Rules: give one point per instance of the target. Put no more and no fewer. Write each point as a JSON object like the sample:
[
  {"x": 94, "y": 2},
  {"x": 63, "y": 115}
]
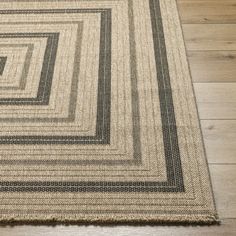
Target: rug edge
[
  {"x": 197, "y": 109},
  {"x": 207, "y": 219}
]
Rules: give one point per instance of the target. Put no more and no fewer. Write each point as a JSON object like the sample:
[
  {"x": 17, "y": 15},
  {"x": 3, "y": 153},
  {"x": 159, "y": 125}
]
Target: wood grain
[
  {"x": 224, "y": 186},
  {"x": 210, "y": 36},
  {"x": 216, "y": 100},
  {"x": 213, "y": 66},
  {"x": 207, "y": 11},
  {"x": 220, "y": 139}
]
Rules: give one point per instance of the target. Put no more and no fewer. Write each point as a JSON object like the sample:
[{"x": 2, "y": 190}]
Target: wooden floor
[{"x": 210, "y": 34}]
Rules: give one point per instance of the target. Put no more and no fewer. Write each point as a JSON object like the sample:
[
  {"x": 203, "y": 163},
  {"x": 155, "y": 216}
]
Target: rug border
[{"x": 210, "y": 219}]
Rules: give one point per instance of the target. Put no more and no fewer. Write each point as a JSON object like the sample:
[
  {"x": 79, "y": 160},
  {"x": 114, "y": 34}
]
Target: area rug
[{"x": 98, "y": 116}]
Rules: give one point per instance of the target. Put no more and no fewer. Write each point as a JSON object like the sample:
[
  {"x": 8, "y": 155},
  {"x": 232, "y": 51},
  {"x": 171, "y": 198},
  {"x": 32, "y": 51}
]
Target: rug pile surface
[{"x": 98, "y": 116}]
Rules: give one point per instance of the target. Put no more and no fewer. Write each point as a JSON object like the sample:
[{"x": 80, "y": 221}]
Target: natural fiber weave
[{"x": 98, "y": 115}]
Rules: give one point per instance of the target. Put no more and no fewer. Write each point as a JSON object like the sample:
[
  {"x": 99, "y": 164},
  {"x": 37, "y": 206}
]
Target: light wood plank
[
  {"x": 228, "y": 227},
  {"x": 213, "y": 66},
  {"x": 224, "y": 186},
  {"x": 210, "y": 36},
  {"x": 207, "y": 11},
  {"x": 220, "y": 139},
  {"x": 216, "y": 100},
  {"x": 208, "y": 110}
]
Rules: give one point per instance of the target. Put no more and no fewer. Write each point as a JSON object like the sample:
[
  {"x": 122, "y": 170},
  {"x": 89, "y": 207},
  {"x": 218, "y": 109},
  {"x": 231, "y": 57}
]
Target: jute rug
[{"x": 98, "y": 115}]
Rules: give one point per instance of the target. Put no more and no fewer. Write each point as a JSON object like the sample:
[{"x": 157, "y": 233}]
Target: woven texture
[{"x": 98, "y": 115}]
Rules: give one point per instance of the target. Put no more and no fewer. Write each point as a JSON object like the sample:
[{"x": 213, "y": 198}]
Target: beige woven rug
[{"x": 98, "y": 117}]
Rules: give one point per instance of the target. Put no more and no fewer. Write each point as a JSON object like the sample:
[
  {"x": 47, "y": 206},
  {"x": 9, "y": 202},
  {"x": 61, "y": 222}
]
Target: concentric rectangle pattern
[{"x": 98, "y": 116}]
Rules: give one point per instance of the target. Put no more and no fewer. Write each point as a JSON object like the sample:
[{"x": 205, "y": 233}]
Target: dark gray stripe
[
  {"x": 169, "y": 129},
  {"x": 53, "y": 186},
  {"x": 104, "y": 100},
  {"x": 134, "y": 88},
  {"x": 3, "y": 61}
]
